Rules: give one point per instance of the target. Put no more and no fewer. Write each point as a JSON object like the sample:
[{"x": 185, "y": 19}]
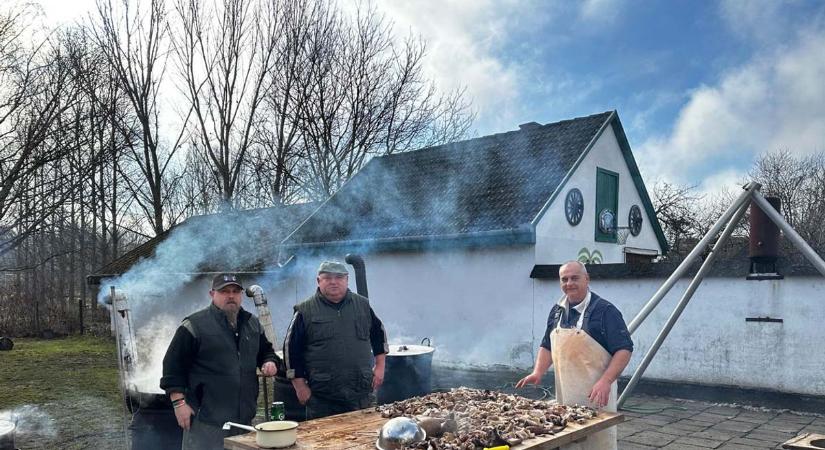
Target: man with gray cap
[
  {"x": 330, "y": 346},
  {"x": 209, "y": 367}
]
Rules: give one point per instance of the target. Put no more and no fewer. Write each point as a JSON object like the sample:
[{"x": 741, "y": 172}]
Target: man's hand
[
  {"x": 302, "y": 390},
  {"x": 533, "y": 378},
  {"x": 269, "y": 369},
  {"x": 184, "y": 415},
  {"x": 377, "y": 377},
  {"x": 600, "y": 394}
]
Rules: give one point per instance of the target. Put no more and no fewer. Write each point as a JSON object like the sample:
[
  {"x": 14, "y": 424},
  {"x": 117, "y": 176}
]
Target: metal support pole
[
  {"x": 680, "y": 307},
  {"x": 790, "y": 233},
  {"x": 683, "y": 267}
]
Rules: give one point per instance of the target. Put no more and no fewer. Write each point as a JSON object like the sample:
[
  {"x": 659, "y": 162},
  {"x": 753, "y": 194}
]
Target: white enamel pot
[{"x": 275, "y": 434}]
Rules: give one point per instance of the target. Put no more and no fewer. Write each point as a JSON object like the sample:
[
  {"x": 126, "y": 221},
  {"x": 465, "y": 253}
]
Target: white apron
[{"x": 579, "y": 361}]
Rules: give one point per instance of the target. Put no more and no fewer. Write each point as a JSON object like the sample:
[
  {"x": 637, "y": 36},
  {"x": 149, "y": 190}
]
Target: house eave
[{"x": 523, "y": 235}]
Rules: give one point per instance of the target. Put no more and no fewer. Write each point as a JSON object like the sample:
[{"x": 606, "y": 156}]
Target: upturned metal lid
[{"x": 399, "y": 432}]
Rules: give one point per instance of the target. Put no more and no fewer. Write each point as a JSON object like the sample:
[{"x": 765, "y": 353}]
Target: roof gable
[{"x": 488, "y": 185}]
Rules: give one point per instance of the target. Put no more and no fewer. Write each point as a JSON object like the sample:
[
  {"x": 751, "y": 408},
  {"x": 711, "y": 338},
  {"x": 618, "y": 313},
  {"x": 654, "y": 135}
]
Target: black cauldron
[{"x": 407, "y": 372}]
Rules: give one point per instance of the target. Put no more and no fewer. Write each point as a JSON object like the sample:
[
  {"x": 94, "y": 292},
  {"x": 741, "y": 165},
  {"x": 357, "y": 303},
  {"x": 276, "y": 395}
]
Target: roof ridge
[{"x": 542, "y": 127}]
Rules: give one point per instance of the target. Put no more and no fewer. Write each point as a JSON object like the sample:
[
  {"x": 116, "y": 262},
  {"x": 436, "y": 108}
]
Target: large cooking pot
[
  {"x": 275, "y": 434},
  {"x": 7, "y": 435},
  {"x": 407, "y": 372}
]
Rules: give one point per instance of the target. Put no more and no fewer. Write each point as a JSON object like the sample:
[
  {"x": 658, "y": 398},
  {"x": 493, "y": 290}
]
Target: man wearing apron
[{"x": 589, "y": 346}]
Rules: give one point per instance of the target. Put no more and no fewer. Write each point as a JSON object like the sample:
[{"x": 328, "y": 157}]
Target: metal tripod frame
[{"x": 729, "y": 220}]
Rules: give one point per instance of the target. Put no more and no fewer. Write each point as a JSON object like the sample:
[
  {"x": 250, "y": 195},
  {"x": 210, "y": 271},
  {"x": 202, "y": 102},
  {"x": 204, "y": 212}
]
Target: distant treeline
[{"x": 114, "y": 129}]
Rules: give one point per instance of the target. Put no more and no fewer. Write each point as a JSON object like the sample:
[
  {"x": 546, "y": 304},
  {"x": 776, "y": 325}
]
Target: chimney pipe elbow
[{"x": 254, "y": 290}]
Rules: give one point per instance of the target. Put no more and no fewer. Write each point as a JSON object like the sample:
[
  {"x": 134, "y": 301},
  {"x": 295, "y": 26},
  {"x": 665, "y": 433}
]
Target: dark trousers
[
  {"x": 321, "y": 407},
  {"x": 203, "y": 436}
]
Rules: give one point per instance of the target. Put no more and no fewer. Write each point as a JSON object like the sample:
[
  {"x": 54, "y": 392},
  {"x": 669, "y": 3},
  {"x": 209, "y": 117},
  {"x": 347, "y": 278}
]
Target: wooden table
[
  {"x": 806, "y": 441},
  {"x": 359, "y": 430}
]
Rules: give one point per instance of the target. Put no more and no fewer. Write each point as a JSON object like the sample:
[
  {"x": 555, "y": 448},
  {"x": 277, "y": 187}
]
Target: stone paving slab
[{"x": 674, "y": 424}]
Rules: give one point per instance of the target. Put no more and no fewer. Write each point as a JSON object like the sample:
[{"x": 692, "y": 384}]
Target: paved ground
[{"x": 672, "y": 424}]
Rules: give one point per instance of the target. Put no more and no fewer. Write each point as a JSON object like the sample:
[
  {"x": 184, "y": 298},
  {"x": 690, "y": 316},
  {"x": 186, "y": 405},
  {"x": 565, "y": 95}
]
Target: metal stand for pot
[{"x": 729, "y": 220}]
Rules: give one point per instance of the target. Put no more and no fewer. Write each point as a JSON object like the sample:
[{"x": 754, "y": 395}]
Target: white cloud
[
  {"x": 722, "y": 183},
  {"x": 462, "y": 37},
  {"x": 775, "y": 101},
  {"x": 757, "y": 20}
]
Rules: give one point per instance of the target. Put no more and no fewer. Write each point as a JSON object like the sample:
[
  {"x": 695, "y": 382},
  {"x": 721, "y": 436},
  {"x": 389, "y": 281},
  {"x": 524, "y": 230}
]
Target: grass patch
[{"x": 38, "y": 372}]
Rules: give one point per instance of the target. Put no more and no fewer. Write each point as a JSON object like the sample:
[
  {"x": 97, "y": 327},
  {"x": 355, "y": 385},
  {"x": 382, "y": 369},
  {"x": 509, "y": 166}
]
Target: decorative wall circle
[
  {"x": 574, "y": 206},
  {"x": 635, "y": 220}
]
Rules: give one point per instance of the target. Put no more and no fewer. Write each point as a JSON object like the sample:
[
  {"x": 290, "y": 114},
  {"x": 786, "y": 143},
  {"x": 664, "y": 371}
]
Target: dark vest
[
  {"x": 223, "y": 385},
  {"x": 338, "y": 354}
]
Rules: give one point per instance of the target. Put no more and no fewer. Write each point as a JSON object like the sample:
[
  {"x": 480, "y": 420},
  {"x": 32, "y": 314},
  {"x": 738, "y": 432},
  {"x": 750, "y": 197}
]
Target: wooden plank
[
  {"x": 805, "y": 441},
  {"x": 358, "y": 430}
]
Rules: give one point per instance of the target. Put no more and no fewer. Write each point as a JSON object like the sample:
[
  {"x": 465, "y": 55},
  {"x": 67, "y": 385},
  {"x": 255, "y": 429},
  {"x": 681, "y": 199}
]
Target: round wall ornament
[
  {"x": 574, "y": 206},
  {"x": 635, "y": 220}
]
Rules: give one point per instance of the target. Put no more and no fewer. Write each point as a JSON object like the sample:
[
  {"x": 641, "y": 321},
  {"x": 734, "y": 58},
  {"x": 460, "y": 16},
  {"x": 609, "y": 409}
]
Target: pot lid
[
  {"x": 6, "y": 427},
  {"x": 409, "y": 350}
]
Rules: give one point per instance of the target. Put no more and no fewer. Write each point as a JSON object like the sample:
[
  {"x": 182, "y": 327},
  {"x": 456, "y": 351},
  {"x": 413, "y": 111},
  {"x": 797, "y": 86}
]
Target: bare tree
[
  {"x": 799, "y": 183},
  {"x": 367, "y": 96},
  {"x": 677, "y": 208},
  {"x": 225, "y": 52},
  {"x": 133, "y": 39},
  {"x": 35, "y": 91}
]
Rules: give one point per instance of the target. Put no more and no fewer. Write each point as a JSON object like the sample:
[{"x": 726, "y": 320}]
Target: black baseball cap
[{"x": 222, "y": 280}]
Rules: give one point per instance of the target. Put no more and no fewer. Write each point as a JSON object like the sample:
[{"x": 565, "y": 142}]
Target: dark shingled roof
[
  {"x": 483, "y": 186},
  {"x": 257, "y": 232}
]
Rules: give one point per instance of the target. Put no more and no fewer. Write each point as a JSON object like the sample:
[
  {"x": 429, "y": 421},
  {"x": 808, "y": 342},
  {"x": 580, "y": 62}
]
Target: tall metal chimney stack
[{"x": 763, "y": 248}]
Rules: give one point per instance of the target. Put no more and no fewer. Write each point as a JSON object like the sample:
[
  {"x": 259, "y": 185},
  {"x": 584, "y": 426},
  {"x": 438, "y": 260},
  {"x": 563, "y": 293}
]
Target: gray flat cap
[{"x": 332, "y": 267}]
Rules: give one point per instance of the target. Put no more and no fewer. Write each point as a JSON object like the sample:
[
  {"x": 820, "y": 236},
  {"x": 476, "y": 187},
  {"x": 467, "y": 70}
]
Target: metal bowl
[{"x": 399, "y": 432}]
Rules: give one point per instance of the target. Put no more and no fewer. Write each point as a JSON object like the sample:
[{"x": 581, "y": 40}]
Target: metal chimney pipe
[
  {"x": 357, "y": 263},
  {"x": 256, "y": 293}
]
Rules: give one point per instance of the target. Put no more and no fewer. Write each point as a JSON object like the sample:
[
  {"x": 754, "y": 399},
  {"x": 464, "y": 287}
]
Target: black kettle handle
[{"x": 428, "y": 341}]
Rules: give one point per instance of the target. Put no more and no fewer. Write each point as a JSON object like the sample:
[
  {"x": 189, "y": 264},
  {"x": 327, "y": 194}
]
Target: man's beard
[{"x": 231, "y": 317}]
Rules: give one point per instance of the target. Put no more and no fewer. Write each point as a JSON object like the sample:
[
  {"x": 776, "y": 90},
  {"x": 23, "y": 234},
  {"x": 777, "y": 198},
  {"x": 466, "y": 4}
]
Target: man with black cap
[
  {"x": 330, "y": 346},
  {"x": 209, "y": 367}
]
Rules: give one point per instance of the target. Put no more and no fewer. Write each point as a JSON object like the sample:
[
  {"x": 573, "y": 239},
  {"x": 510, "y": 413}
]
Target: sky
[{"x": 702, "y": 87}]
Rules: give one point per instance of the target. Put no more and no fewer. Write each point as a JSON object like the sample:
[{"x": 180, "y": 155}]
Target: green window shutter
[{"x": 607, "y": 200}]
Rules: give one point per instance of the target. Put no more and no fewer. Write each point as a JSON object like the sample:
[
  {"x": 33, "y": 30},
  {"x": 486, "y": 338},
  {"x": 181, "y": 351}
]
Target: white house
[{"x": 451, "y": 234}]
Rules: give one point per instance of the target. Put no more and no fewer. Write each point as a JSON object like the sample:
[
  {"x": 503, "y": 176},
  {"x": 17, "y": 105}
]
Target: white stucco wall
[
  {"x": 480, "y": 307},
  {"x": 558, "y": 241},
  {"x": 712, "y": 344},
  {"x": 475, "y": 305}
]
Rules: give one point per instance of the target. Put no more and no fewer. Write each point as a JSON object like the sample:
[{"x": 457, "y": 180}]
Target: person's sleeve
[
  {"x": 618, "y": 337},
  {"x": 294, "y": 344},
  {"x": 265, "y": 351},
  {"x": 378, "y": 336},
  {"x": 545, "y": 340},
  {"x": 178, "y": 360}
]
